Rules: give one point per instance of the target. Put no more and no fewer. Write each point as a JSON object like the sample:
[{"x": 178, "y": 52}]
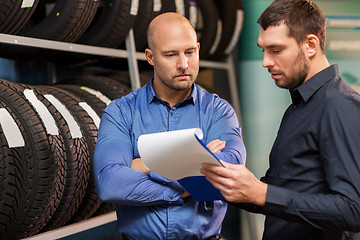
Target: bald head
[{"x": 166, "y": 22}]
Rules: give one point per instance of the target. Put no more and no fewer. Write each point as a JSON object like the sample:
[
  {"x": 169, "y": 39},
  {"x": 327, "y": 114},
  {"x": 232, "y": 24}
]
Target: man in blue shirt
[
  {"x": 148, "y": 205},
  {"x": 312, "y": 188}
]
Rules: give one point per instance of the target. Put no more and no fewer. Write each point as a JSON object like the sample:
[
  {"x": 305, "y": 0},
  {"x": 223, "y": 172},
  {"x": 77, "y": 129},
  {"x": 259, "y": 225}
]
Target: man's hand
[
  {"x": 185, "y": 194},
  {"x": 139, "y": 165},
  {"x": 216, "y": 145},
  {"x": 236, "y": 183}
]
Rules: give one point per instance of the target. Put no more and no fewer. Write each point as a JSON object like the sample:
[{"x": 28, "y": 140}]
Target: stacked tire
[
  {"x": 106, "y": 23},
  {"x": 48, "y": 136}
]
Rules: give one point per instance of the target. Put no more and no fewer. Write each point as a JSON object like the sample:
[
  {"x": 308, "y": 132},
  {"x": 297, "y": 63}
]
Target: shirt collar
[
  {"x": 151, "y": 94},
  {"x": 307, "y": 89}
]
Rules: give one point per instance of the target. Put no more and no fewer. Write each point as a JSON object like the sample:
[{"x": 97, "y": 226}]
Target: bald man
[{"x": 148, "y": 205}]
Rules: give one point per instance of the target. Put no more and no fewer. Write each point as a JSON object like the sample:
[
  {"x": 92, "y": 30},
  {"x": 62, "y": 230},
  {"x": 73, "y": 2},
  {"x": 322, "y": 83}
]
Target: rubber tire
[
  {"x": 77, "y": 157},
  {"x": 15, "y": 181},
  {"x": 42, "y": 154},
  {"x": 12, "y": 17},
  {"x": 67, "y": 20},
  {"x": 230, "y": 33},
  {"x": 109, "y": 87},
  {"x": 91, "y": 201},
  {"x": 208, "y": 32},
  {"x": 142, "y": 21},
  {"x": 111, "y": 24}
]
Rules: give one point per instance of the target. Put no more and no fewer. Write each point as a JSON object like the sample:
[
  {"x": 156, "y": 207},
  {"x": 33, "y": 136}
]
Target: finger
[{"x": 216, "y": 145}]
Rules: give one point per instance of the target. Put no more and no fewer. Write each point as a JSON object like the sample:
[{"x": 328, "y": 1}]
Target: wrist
[{"x": 260, "y": 194}]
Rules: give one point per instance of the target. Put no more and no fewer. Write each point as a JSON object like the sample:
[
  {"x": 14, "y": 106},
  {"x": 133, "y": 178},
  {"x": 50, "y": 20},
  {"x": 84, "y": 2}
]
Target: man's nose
[
  {"x": 182, "y": 62},
  {"x": 267, "y": 61}
]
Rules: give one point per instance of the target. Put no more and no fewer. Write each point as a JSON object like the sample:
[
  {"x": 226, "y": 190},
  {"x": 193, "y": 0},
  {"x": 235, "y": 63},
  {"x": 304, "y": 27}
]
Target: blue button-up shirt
[{"x": 151, "y": 207}]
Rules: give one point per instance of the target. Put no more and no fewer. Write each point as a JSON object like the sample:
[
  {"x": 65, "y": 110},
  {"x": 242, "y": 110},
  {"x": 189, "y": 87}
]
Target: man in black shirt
[{"x": 312, "y": 187}]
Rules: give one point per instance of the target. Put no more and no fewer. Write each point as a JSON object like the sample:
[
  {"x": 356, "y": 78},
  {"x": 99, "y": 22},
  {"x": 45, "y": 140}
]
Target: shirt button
[
  {"x": 150, "y": 199},
  {"x": 170, "y": 234},
  {"x": 170, "y": 207},
  {"x": 171, "y": 114},
  {"x": 171, "y": 198}
]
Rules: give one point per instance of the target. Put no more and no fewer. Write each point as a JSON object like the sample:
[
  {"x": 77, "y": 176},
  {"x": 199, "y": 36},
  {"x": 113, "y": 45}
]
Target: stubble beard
[{"x": 298, "y": 74}]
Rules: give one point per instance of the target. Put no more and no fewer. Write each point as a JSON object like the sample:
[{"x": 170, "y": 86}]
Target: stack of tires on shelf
[
  {"x": 48, "y": 133},
  {"x": 48, "y": 136},
  {"x": 106, "y": 23}
]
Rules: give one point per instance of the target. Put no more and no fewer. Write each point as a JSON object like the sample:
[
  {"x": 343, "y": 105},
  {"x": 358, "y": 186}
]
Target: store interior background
[{"x": 262, "y": 104}]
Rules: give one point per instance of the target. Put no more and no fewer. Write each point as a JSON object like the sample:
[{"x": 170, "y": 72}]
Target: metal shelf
[
  {"x": 76, "y": 227},
  {"x": 130, "y": 54}
]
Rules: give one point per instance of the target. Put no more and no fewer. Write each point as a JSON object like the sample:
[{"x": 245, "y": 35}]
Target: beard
[{"x": 296, "y": 75}]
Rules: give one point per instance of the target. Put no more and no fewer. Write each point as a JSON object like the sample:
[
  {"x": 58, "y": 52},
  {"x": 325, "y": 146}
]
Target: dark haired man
[{"x": 312, "y": 187}]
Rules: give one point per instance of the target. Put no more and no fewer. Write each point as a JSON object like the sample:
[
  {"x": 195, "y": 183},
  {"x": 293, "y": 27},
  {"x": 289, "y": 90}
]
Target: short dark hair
[{"x": 302, "y": 17}]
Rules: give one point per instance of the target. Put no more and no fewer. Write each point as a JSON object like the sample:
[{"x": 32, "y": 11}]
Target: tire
[
  {"x": 109, "y": 28},
  {"x": 41, "y": 161},
  {"x": 142, "y": 21},
  {"x": 77, "y": 154},
  {"x": 104, "y": 208},
  {"x": 124, "y": 77},
  {"x": 88, "y": 95},
  {"x": 231, "y": 15},
  {"x": 14, "y": 15},
  {"x": 67, "y": 20},
  {"x": 111, "y": 25},
  {"x": 15, "y": 179},
  {"x": 108, "y": 87},
  {"x": 208, "y": 27},
  {"x": 91, "y": 201}
]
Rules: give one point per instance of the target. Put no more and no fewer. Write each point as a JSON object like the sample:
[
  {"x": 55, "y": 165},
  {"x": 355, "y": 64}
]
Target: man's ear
[
  {"x": 312, "y": 45},
  {"x": 149, "y": 56}
]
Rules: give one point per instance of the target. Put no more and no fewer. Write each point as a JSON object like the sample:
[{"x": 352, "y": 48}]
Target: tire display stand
[{"x": 132, "y": 58}]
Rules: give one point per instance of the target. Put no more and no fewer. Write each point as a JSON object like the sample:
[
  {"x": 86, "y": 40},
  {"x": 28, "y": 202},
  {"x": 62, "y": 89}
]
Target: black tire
[
  {"x": 15, "y": 179},
  {"x": 124, "y": 77},
  {"x": 104, "y": 208},
  {"x": 111, "y": 25},
  {"x": 142, "y": 21},
  {"x": 14, "y": 15},
  {"x": 77, "y": 157},
  {"x": 231, "y": 18},
  {"x": 91, "y": 201},
  {"x": 109, "y": 87},
  {"x": 208, "y": 27},
  {"x": 43, "y": 163},
  {"x": 67, "y": 20},
  {"x": 91, "y": 96},
  {"x": 109, "y": 28}
]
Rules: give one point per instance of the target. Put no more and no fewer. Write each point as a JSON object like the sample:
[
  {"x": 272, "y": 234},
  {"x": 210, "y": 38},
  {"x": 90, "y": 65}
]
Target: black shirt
[{"x": 314, "y": 173}]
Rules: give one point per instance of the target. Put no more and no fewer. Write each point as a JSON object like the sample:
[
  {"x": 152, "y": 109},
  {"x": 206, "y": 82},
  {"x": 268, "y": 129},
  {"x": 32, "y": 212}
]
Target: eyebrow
[
  {"x": 175, "y": 51},
  {"x": 270, "y": 46}
]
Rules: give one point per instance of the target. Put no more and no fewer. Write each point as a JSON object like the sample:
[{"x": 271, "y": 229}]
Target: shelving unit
[
  {"x": 130, "y": 54},
  {"x": 133, "y": 57}
]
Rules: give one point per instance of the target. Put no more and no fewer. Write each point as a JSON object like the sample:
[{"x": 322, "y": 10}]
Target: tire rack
[{"x": 132, "y": 56}]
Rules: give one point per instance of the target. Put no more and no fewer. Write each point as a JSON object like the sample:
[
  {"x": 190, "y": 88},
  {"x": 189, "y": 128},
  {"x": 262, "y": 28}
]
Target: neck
[
  {"x": 317, "y": 64},
  {"x": 169, "y": 95}
]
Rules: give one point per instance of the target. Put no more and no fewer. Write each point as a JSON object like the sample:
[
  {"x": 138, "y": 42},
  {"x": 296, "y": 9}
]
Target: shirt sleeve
[
  {"x": 339, "y": 139},
  {"x": 225, "y": 126},
  {"x": 115, "y": 181}
]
